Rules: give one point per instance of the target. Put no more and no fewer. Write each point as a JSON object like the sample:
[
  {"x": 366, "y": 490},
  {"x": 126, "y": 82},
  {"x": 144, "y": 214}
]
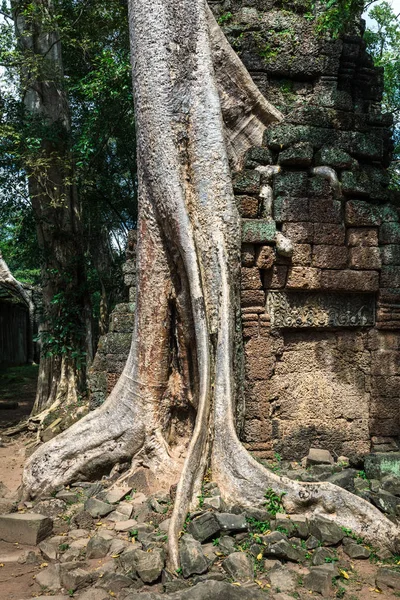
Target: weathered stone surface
[
  {"x": 230, "y": 522},
  {"x": 239, "y": 566},
  {"x": 380, "y": 464},
  {"x": 97, "y": 508},
  {"x": 98, "y": 547},
  {"x": 356, "y": 551},
  {"x": 319, "y": 580},
  {"x": 249, "y": 206},
  {"x": 389, "y": 233},
  {"x": 50, "y": 508},
  {"x": 386, "y": 502},
  {"x": 94, "y": 594},
  {"x": 207, "y": 590},
  {"x": 344, "y": 479},
  {"x": 26, "y": 528},
  {"x": 49, "y": 578},
  {"x": 299, "y": 155},
  {"x": 149, "y": 564},
  {"x": 304, "y": 278},
  {"x": 76, "y": 579},
  {"x": 365, "y": 258},
  {"x": 362, "y": 237},
  {"x": 320, "y": 555},
  {"x": 284, "y": 549},
  {"x": 265, "y": 257},
  {"x": 246, "y": 182},
  {"x": 283, "y": 579},
  {"x": 362, "y": 214},
  {"x": 192, "y": 557},
  {"x": 387, "y": 578},
  {"x": 350, "y": 281},
  {"x": 126, "y": 525},
  {"x": 299, "y": 233},
  {"x": 319, "y": 456},
  {"x": 258, "y": 231},
  {"x": 204, "y": 527},
  {"x": 330, "y": 257},
  {"x": 328, "y": 532}
]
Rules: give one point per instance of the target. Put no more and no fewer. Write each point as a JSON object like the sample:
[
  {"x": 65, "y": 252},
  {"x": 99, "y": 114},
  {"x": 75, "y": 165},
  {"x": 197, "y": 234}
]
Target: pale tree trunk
[
  {"x": 54, "y": 201},
  {"x": 173, "y": 409}
]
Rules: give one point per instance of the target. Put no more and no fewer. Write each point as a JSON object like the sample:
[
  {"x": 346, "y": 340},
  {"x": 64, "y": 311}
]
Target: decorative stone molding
[{"x": 319, "y": 310}]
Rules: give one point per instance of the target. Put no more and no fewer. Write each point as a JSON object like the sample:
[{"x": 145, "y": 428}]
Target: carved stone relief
[{"x": 316, "y": 309}]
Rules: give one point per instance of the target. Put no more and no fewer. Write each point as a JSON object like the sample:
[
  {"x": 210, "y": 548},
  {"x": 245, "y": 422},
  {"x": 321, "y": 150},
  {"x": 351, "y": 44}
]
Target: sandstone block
[
  {"x": 265, "y": 257},
  {"x": 319, "y": 580},
  {"x": 239, "y": 566},
  {"x": 299, "y": 155},
  {"x": 299, "y": 233},
  {"x": 258, "y": 231},
  {"x": 258, "y": 155},
  {"x": 361, "y": 213},
  {"x": 329, "y": 257},
  {"x": 319, "y": 456},
  {"x": 252, "y": 298},
  {"x": 350, "y": 281},
  {"x": 332, "y": 234},
  {"x": 97, "y": 508},
  {"x": 248, "y": 206},
  {"x": 304, "y": 278},
  {"x": 387, "y": 578},
  {"x": 365, "y": 258},
  {"x": 301, "y": 254},
  {"x": 291, "y": 183},
  {"x": 250, "y": 279},
  {"x": 362, "y": 236},
  {"x": 326, "y": 531},
  {"x": 390, "y": 254},
  {"x": 335, "y": 157},
  {"x": 192, "y": 557},
  {"x": 26, "y": 528},
  {"x": 246, "y": 182},
  {"x": 291, "y": 209},
  {"x": 204, "y": 527},
  {"x": 248, "y": 255},
  {"x": 390, "y": 276},
  {"x": 275, "y": 278},
  {"x": 325, "y": 211}
]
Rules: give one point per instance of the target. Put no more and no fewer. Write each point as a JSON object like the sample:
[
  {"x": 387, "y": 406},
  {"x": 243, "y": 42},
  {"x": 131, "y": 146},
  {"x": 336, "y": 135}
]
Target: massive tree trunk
[
  {"x": 66, "y": 326},
  {"x": 173, "y": 410}
]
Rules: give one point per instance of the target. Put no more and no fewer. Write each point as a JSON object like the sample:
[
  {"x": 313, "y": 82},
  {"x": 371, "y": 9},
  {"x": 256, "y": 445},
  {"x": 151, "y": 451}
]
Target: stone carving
[{"x": 297, "y": 309}]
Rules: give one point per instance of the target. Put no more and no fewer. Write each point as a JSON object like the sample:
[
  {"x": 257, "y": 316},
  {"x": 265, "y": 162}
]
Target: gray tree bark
[
  {"x": 173, "y": 410},
  {"x": 53, "y": 195}
]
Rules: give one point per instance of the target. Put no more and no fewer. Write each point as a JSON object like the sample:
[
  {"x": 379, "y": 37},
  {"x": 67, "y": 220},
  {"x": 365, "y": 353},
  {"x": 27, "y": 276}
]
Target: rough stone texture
[
  {"x": 27, "y": 528},
  {"x": 239, "y": 566},
  {"x": 192, "y": 557}
]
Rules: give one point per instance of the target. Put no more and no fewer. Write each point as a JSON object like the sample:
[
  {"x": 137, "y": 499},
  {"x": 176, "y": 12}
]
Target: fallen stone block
[
  {"x": 317, "y": 456},
  {"x": 192, "y": 557},
  {"x": 26, "y": 528}
]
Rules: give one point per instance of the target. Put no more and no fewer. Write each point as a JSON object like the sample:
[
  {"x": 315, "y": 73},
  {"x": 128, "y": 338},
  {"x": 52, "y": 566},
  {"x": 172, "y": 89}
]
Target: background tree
[
  {"x": 92, "y": 148},
  {"x": 383, "y": 42}
]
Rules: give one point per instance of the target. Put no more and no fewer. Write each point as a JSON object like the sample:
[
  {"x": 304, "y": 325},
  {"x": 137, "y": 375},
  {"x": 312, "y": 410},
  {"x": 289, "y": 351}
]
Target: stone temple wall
[{"x": 321, "y": 320}]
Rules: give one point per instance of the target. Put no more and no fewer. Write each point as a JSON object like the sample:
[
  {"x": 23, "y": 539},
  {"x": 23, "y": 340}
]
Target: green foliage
[
  {"x": 259, "y": 526},
  {"x": 225, "y": 18},
  {"x": 340, "y": 592},
  {"x": 215, "y": 541},
  {"x": 362, "y": 475},
  {"x": 338, "y": 16},
  {"x": 63, "y": 547},
  {"x": 274, "y": 503},
  {"x": 383, "y": 43}
]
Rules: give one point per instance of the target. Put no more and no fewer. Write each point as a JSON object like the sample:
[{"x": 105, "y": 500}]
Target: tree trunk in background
[
  {"x": 173, "y": 411},
  {"x": 66, "y": 327}
]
